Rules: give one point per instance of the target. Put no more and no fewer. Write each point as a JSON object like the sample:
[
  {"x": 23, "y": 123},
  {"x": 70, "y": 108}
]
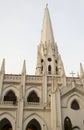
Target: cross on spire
[{"x": 46, "y": 4}]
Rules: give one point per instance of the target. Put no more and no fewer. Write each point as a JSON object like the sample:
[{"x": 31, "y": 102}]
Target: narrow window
[
  {"x": 42, "y": 69},
  {"x": 49, "y": 69},
  {"x": 56, "y": 70},
  {"x": 56, "y": 61},
  {"x": 41, "y": 60}
]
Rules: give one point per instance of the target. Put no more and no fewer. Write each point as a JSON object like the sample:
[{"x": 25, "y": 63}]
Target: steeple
[
  {"x": 47, "y": 54},
  {"x": 47, "y": 32}
]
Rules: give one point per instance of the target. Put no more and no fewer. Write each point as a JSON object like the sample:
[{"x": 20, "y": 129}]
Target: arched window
[
  {"x": 75, "y": 105},
  {"x": 49, "y": 69},
  {"x": 33, "y": 97},
  {"x": 33, "y": 125},
  {"x": 42, "y": 69},
  {"x": 67, "y": 124},
  {"x": 10, "y": 96},
  {"x": 42, "y": 60},
  {"x": 5, "y": 124},
  {"x": 56, "y": 61}
]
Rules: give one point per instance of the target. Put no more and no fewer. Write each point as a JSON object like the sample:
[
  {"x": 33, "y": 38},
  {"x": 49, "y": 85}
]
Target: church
[{"x": 47, "y": 100}]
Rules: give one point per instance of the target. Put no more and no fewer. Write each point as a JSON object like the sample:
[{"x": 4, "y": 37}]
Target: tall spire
[
  {"x": 48, "y": 50},
  {"x": 47, "y": 32}
]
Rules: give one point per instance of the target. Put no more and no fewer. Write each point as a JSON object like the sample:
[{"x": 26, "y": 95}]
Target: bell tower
[{"x": 48, "y": 60}]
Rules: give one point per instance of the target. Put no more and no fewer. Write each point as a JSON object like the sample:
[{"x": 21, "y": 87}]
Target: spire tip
[{"x": 46, "y": 5}]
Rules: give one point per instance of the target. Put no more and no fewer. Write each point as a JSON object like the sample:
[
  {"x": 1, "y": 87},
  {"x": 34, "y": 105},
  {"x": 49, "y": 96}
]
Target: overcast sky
[{"x": 20, "y": 32}]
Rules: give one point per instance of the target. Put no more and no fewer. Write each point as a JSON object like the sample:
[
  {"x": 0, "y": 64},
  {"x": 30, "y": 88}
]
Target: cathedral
[{"x": 47, "y": 100}]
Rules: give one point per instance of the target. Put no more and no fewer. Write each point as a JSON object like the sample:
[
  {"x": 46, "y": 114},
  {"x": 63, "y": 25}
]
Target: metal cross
[{"x": 72, "y": 73}]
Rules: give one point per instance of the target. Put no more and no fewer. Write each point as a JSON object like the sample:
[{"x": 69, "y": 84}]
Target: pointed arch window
[
  {"x": 42, "y": 60},
  {"x": 42, "y": 69},
  {"x": 33, "y": 125},
  {"x": 5, "y": 124},
  {"x": 67, "y": 124},
  {"x": 56, "y": 61},
  {"x": 33, "y": 97},
  {"x": 56, "y": 70},
  {"x": 49, "y": 69},
  {"x": 75, "y": 105},
  {"x": 10, "y": 96}
]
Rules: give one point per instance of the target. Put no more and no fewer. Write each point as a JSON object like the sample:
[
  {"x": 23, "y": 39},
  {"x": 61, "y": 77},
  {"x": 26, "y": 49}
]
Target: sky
[{"x": 20, "y": 32}]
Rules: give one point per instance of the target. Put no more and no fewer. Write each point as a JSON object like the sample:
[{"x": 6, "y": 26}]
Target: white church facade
[{"x": 47, "y": 100}]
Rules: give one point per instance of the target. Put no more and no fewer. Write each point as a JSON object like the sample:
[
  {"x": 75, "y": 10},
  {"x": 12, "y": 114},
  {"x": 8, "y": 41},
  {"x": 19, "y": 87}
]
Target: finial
[
  {"x": 46, "y": 5},
  {"x": 24, "y": 68},
  {"x": 3, "y": 66},
  {"x": 77, "y": 74}
]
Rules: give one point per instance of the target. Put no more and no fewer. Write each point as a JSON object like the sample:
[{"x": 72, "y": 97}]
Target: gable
[{"x": 71, "y": 95}]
